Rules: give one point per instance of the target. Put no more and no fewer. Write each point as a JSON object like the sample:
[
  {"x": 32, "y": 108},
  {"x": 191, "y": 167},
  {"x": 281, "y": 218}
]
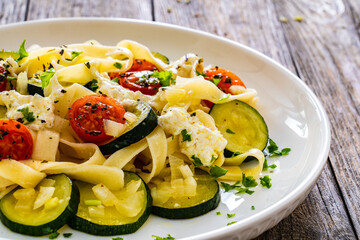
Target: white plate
[{"x": 294, "y": 116}]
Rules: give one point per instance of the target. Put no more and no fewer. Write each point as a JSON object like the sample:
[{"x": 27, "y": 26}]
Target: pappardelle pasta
[{"x": 98, "y": 137}]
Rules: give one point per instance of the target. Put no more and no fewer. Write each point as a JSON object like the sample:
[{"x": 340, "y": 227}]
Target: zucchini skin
[
  {"x": 49, "y": 227},
  {"x": 248, "y": 111},
  {"x": 32, "y": 89},
  {"x": 84, "y": 225},
  {"x": 132, "y": 136},
  {"x": 190, "y": 212}
]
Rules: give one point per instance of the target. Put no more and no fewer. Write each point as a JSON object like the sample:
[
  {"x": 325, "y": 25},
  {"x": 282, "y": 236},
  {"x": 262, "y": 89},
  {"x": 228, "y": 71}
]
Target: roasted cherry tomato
[
  {"x": 224, "y": 78},
  {"x": 2, "y": 79},
  {"x": 138, "y": 77},
  {"x": 87, "y": 116},
  {"x": 15, "y": 140},
  {"x": 142, "y": 65}
]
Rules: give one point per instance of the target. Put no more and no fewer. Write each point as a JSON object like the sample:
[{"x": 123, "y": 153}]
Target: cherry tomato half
[
  {"x": 138, "y": 77},
  {"x": 142, "y": 65},
  {"x": 87, "y": 115},
  {"x": 224, "y": 78},
  {"x": 2, "y": 79},
  {"x": 15, "y": 140}
]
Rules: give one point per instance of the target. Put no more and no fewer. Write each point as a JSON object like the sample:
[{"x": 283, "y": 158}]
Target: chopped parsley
[
  {"x": 218, "y": 213},
  {"x": 231, "y": 223},
  {"x": 54, "y": 235},
  {"x": 164, "y": 77},
  {"x": 229, "y": 131},
  {"x": 117, "y": 65},
  {"x": 28, "y": 116},
  {"x": 116, "y": 80},
  {"x": 249, "y": 181},
  {"x": 46, "y": 76},
  {"x": 230, "y": 215},
  {"x": 186, "y": 137},
  {"x": 273, "y": 149},
  {"x": 266, "y": 181},
  {"x": 252, "y": 207},
  {"x": 237, "y": 187},
  {"x": 67, "y": 235},
  {"x": 201, "y": 74},
  {"x": 22, "y": 51},
  {"x": 92, "y": 85},
  {"x": 216, "y": 79},
  {"x": 216, "y": 171},
  {"x": 169, "y": 237},
  {"x": 197, "y": 162},
  {"x": 266, "y": 166},
  {"x": 117, "y": 238},
  {"x": 74, "y": 54}
]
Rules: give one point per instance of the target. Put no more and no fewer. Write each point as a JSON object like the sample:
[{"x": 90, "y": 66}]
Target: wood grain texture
[
  {"x": 323, "y": 50},
  {"x": 40, "y": 9},
  {"x": 12, "y": 11},
  {"x": 257, "y": 24},
  {"x": 330, "y": 67}
]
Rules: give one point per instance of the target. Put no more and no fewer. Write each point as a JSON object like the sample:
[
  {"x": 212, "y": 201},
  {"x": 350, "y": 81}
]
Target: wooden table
[{"x": 319, "y": 41}]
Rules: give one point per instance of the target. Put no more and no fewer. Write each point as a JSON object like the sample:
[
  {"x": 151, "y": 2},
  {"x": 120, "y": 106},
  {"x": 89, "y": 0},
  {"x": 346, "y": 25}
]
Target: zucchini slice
[
  {"x": 111, "y": 221},
  {"x": 35, "y": 88},
  {"x": 6, "y": 54},
  {"x": 241, "y": 125},
  {"x": 162, "y": 57},
  {"x": 206, "y": 199},
  {"x": 145, "y": 123},
  {"x": 20, "y": 215}
]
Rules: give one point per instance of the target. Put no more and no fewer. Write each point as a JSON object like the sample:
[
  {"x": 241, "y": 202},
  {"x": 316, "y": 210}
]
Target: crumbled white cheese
[
  {"x": 206, "y": 143},
  {"x": 41, "y": 107}
]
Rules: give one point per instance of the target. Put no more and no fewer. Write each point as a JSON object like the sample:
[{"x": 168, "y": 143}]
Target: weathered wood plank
[
  {"x": 12, "y": 11},
  {"x": 325, "y": 47},
  {"x": 257, "y": 24},
  {"x": 40, "y": 9}
]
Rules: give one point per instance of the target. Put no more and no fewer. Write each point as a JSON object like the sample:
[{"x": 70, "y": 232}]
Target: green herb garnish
[
  {"x": 22, "y": 51},
  {"x": 169, "y": 237},
  {"x": 165, "y": 77},
  {"x": 266, "y": 181},
  {"x": 185, "y": 135},
  {"x": 252, "y": 207},
  {"x": 117, "y": 238},
  {"x": 117, "y": 65},
  {"x": 216, "y": 171},
  {"x": 216, "y": 79},
  {"x": 197, "y": 162},
  {"x": 92, "y": 85},
  {"x": 74, "y": 54},
  {"x": 218, "y": 213},
  {"x": 116, "y": 80},
  {"x": 201, "y": 74},
  {"x": 248, "y": 181},
  {"x": 231, "y": 223},
  {"x": 230, "y": 215},
  {"x": 228, "y": 187},
  {"x": 266, "y": 166},
  {"x": 46, "y": 76},
  {"x": 29, "y": 116},
  {"x": 273, "y": 149},
  {"x": 229, "y": 131}
]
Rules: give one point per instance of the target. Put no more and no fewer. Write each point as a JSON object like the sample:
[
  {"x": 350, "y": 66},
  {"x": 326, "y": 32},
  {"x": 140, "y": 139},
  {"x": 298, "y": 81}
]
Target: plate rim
[{"x": 294, "y": 195}]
